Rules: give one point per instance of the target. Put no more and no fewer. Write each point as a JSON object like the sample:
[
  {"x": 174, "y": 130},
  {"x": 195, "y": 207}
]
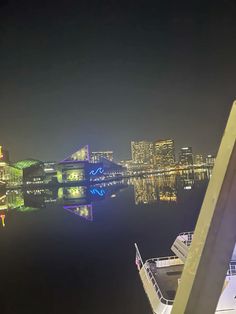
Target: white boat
[{"x": 161, "y": 276}]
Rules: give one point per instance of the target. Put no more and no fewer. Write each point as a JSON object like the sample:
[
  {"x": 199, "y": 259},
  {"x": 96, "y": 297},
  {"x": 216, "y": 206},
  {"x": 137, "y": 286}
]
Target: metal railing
[
  {"x": 165, "y": 261},
  {"x": 156, "y": 287},
  {"x": 160, "y": 262},
  {"x": 186, "y": 237},
  {"x": 232, "y": 268},
  {"x": 169, "y": 261}
]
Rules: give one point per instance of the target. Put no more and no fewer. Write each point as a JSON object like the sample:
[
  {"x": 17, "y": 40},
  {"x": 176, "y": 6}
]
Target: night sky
[{"x": 108, "y": 72}]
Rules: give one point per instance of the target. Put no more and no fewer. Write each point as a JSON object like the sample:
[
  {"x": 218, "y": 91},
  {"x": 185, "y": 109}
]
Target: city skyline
[
  {"x": 109, "y": 152},
  {"x": 111, "y": 73}
]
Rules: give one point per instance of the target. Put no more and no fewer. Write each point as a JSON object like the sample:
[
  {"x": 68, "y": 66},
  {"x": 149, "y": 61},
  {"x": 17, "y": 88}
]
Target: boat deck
[{"x": 167, "y": 278}]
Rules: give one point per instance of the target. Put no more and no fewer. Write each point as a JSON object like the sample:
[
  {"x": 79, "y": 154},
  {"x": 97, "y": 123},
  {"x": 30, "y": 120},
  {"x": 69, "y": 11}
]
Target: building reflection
[
  {"x": 167, "y": 187},
  {"x": 145, "y": 190},
  {"x": 154, "y": 188},
  {"x": 167, "y": 190},
  {"x": 84, "y": 211},
  {"x": 77, "y": 200},
  {"x": 3, "y": 208},
  {"x": 188, "y": 179},
  {"x": 9, "y": 200}
]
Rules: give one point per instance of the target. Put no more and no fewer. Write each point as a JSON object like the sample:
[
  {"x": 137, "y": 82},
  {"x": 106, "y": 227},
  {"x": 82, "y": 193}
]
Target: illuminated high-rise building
[
  {"x": 142, "y": 152},
  {"x": 98, "y": 156},
  {"x": 210, "y": 160},
  {"x": 198, "y": 159},
  {"x": 164, "y": 153},
  {"x": 186, "y": 156}
]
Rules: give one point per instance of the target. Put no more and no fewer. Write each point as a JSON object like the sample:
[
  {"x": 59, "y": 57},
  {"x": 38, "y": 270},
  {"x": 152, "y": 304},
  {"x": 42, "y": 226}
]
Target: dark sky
[{"x": 108, "y": 72}]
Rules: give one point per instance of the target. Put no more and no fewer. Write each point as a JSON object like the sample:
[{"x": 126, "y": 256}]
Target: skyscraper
[
  {"x": 164, "y": 153},
  {"x": 142, "y": 152},
  {"x": 198, "y": 159},
  {"x": 186, "y": 156},
  {"x": 210, "y": 160}
]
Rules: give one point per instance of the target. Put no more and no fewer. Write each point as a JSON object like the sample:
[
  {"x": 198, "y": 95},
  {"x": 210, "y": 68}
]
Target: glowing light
[
  {"x": 1, "y": 154},
  {"x": 84, "y": 211},
  {"x": 2, "y": 197},
  {"x": 3, "y": 219},
  {"x": 167, "y": 197},
  {"x": 49, "y": 169},
  {"x": 71, "y": 192},
  {"x": 98, "y": 170},
  {"x": 188, "y": 187},
  {"x": 100, "y": 192}
]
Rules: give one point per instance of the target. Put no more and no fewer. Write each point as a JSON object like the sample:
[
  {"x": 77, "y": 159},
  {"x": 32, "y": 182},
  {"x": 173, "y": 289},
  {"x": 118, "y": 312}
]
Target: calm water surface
[{"x": 72, "y": 250}]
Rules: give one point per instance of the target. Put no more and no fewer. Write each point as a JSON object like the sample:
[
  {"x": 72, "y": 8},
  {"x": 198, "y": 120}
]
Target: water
[{"x": 72, "y": 250}]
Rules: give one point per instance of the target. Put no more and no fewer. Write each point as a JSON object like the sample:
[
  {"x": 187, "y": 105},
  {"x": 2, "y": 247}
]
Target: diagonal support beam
[{"x": 215, "y": 234}]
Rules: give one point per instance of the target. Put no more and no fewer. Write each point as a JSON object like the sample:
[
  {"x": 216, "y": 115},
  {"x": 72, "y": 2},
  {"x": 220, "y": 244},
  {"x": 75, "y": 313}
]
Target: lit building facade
[
  {"x": 70, "y": 172},
  {"x": 75, "y": 168},
  {"x": 210, "y": 160},
  {"x": 9, "y": 175},
  {"x": 142, "y": 152},
  {"x": 49, "y": 167},
  {"x": 164, "y": 153},
  {"x": 33, "y": 172},
  {"x": 198, "y": 160},
  {"x": 98, "y": 156},
  {"x": 186, "y": 156}
]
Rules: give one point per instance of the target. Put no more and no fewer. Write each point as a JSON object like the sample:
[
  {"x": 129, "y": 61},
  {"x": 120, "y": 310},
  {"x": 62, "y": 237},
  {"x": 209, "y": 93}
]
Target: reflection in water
[
  {"x": 84, "y": 211},
  {"x": 79, "y": 199},
  {"x": 154, "y": 188},
  {"x": 144, "y": 190},
  {"x": 2, "y": 216},
  {"x": 166, "y": 187},
  {"x": 167, "y": 190},
  {"x": 9, "y": 200}
]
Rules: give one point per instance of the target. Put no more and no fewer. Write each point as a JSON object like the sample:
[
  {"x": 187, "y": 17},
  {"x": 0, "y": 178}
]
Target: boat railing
[
  {"x": 165, "y": 261},
  {"x": 232, "y": 268},
  {"x": 186, "y": 237},
  {"x": 156, "y": 287},
  {"x": 160, "y": 262}
]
